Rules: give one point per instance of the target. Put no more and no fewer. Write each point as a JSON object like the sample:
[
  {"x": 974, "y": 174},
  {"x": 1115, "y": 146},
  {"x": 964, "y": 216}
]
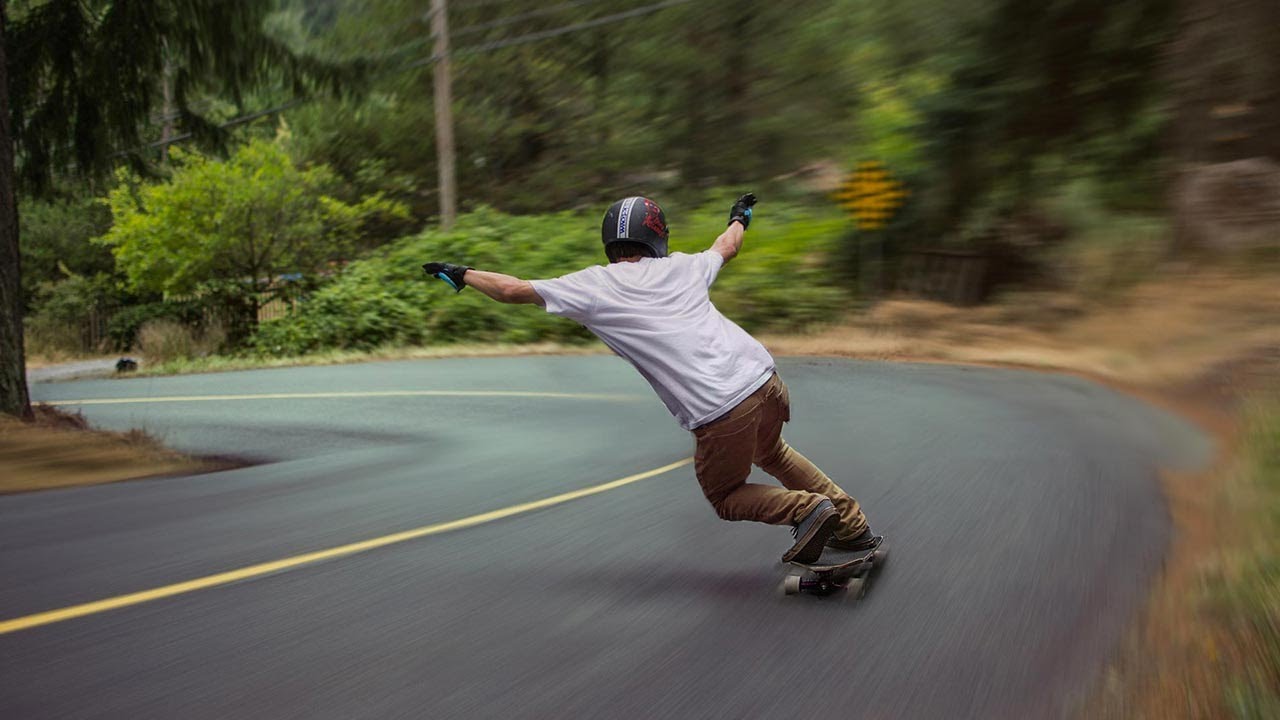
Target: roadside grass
[
  {"x": 59, "y": 449},
  {"x": 229, "y": 363},
  {"x": 1209, "y": 643},
  {"x": 1246, "y": 600}
]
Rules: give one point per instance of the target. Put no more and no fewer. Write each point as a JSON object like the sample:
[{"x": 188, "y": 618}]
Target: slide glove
[
  {"x": 448, "y": 272},
  {"x": 741, "y": 210}
]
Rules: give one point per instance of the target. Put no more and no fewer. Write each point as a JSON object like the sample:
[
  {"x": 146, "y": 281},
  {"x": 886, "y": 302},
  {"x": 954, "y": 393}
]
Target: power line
[
  {"x": 235, "y": 121},
  {"x": 479, "y": 27},
  {"x": 511, "y": 20},
  {"x": 465, "y": 50},
  {"x": 554, "y": 32}
]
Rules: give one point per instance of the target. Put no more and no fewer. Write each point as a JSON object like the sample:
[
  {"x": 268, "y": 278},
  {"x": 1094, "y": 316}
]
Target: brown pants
[{"x": 752, "y": 433}]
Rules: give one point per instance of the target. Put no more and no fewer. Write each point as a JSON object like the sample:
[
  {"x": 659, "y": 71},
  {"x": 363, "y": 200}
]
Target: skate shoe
[
  {"x": 812, "y": 532},
  {"x": 864, "y": 540}
]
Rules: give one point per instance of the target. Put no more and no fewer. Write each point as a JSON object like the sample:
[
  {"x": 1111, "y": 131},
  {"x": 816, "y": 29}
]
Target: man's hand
[
  {"x": 741, "y": 210},
  {"x": 448, "y": 272}
]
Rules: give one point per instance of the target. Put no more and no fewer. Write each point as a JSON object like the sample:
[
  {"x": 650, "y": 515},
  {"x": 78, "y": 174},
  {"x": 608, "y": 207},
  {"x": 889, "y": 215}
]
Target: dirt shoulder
[
  {"x": 1206, "y": 647},
  {"x": 1161, "y": 334},
  {"x": 60, "y": 450}
]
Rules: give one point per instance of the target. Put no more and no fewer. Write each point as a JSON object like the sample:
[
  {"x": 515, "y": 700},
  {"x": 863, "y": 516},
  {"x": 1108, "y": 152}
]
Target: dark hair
[{"x": 621, "y": 249}]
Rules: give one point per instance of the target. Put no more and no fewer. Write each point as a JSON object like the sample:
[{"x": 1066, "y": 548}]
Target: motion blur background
[{"x": 1074, "y": 147}]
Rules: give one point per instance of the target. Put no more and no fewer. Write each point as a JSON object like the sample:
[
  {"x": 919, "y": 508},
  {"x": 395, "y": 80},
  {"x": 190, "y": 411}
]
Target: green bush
[
  {"x": 124, "y": 326},
  {"x": 385, "y": 299}
]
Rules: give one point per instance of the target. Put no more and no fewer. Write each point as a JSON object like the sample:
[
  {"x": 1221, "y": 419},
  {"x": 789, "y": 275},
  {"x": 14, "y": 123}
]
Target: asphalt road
[{"x": 1023, "y": 511}]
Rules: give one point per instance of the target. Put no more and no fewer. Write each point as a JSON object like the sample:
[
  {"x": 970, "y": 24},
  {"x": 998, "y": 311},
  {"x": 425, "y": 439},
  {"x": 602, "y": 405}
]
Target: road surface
[{"x": 1023, "y": 510}]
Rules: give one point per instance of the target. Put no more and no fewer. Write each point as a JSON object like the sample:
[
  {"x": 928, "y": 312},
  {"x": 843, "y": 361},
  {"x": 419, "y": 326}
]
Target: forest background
[{"x": 1049, "y": 140}]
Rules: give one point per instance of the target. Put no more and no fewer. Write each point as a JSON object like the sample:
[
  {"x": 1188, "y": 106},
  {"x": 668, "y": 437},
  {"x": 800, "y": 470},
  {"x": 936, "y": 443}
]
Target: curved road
[{"x": 1023, "y": 510}]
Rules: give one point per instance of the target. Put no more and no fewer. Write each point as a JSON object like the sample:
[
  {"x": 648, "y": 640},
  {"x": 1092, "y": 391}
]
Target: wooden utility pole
[
  {"x": 444, "y": 114},
  {"x": 166, "y": 130}
]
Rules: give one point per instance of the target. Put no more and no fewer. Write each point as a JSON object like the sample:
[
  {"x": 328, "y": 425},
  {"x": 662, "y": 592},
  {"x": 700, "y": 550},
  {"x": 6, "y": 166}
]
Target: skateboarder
[{"x": 652, "y": 308}]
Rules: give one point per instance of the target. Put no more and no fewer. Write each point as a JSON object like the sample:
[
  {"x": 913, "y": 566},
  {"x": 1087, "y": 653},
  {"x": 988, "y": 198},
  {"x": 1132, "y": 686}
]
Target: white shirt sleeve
[
  {"x": 708, "y": 264},
  {"x": 572, "y": 296}
]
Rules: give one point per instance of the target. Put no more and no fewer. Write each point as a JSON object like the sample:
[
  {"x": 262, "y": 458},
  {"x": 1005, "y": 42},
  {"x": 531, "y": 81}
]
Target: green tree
[
  {"x": 236, "y": 226},
  {"x": 82, "y": 90},
  {"x": 55, "y": 243},
  {"x": 1078, "y": 79}
]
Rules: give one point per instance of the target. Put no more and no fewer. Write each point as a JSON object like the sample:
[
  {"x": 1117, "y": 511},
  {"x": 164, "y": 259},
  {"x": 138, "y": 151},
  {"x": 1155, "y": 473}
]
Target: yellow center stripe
[
  {"x": 208, "y": 581},
  {"x": 364, "y": 394}
]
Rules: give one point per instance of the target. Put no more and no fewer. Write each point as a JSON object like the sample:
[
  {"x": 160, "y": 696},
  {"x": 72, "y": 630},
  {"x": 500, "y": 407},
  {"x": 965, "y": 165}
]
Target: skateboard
[{"x": 837, "y": 572}]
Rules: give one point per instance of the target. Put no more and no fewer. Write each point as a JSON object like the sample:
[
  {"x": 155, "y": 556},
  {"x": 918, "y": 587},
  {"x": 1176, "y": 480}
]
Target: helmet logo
[
  {"x": 653, "y": 218},
  {"x": 624, "y": 216}
]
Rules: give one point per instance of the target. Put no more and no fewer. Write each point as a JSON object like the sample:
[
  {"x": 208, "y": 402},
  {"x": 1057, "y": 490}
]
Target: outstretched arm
[
  {"x": 730, "y": 241},
  {"x": 503, "y": 288}
]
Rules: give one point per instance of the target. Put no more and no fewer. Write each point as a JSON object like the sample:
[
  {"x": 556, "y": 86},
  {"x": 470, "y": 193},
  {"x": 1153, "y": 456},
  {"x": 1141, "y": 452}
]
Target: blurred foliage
[
  {"x": 697, "y": 94},
  {"x": 245, "y": 221},
  {"x": 1104, "y": 252},
  {"x": 57, "y": 327},
  {"x": 985, "y": 107},
  {"x": 1245, "y": 594},
  {"x": 93, "y": 71},
  {"x": 386, "y": 299},
  {"x": 55, "y": 244},
  {"x": 1035, "y": 133},
  {"x": 1074, "y": 81}
]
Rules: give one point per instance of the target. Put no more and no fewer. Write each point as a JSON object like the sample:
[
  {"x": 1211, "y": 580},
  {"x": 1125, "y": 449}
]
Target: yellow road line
[
  {"x": 368, "y": 394},
  {"x": 208, "y": 581}
]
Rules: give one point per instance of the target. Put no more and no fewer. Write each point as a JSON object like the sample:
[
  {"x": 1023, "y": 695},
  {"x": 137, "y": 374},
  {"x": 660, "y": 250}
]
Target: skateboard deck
[{"x": 837, "y": 571}]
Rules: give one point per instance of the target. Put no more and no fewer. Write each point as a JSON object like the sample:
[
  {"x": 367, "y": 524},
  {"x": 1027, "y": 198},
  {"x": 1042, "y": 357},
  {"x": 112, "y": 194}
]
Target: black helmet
[{"x": 631, "y": 222}]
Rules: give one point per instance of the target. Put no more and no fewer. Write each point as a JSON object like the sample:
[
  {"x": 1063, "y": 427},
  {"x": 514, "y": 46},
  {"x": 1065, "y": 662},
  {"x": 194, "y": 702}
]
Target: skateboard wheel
[
  {"x": 791, "y": 585},
  {"x": 854, "y": 589},
  {"x": 882, "y": 557}
]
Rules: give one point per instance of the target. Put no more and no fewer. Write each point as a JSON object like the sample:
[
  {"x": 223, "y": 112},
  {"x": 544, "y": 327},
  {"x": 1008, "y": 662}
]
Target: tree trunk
[{"x": 13, "y": 366}]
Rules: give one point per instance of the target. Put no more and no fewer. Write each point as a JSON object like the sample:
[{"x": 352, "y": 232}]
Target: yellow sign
[{"x": 871, "y": 195}]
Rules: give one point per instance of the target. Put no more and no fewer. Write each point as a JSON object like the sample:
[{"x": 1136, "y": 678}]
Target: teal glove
[
  {"x": 741, "y": 210},
  {"x": 448, "y": 272}
]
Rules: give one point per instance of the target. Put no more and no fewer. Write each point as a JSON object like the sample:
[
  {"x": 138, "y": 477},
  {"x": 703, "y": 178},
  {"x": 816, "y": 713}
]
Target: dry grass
[
  {"x": 169, "y": 340},
  {"x": 1161, "y": 333},
  {"x": 227, "y": 363},
  {"x": 59, "y": 450},
  {"x": 1208, "y": 645}
]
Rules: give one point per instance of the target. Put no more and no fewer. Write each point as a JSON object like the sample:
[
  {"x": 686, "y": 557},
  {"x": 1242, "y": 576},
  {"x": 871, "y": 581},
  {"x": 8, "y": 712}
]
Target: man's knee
[
  {"x": 720, "y": 504},
  {"x": 774, "y": 455}
]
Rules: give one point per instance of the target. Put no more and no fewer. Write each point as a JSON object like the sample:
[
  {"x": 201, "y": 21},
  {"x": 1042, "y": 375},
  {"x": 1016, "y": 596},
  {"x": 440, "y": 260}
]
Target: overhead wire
[
  {"x": 464, "y": 50},
  {"x": 520, "y": 17}
]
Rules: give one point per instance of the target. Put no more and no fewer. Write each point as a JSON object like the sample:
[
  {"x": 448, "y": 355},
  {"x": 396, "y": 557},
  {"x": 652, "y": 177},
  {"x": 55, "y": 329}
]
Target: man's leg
[
  {"x": 794, "y": 470},
  {"x": 722, "y": 462}
]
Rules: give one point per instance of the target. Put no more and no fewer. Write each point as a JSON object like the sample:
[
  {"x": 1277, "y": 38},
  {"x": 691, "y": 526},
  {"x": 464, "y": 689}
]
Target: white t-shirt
[{"x": 656, "y": 314}]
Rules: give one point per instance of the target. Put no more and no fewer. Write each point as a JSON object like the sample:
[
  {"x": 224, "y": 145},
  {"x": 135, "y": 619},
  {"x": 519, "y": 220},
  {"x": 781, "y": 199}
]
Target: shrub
[
  {"x": 164, "y": 340},
  {"x": 123, "y": 328},
  {"x": 779, "y": 282}
]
